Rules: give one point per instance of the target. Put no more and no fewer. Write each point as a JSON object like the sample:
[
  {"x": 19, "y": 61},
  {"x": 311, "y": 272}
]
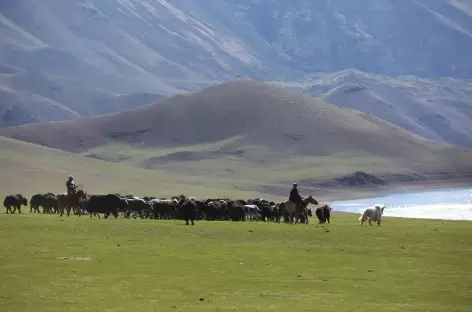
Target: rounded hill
[{"x": 255, "y": 114}]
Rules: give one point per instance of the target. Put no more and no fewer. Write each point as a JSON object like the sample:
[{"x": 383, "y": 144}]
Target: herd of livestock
[
  {"x": 180, "y": 208},
  {"x": 177, "y": 207}
]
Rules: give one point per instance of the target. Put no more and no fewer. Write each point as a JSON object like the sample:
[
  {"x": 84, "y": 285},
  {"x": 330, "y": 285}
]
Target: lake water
[{"x": 450, "y": 204}]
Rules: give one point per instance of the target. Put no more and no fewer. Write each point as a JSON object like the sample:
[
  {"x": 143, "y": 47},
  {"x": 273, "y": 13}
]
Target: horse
[
  {"x": 373, "y": 214},
  {"x": 290, "y": 209},
  {"x": 69, "y": 201}
]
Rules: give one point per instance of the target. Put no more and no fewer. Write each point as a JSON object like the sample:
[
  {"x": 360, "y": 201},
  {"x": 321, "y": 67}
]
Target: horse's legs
[{"x": 370, "y": 222}]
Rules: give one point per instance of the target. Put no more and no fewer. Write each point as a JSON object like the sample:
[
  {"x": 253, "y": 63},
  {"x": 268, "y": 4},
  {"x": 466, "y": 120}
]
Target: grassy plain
[{"x": 136, "y": 265}]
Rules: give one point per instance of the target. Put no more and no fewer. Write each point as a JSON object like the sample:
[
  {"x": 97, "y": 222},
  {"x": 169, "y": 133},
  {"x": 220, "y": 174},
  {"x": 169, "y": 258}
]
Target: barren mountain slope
[
  {"x": 438, "y": 109},
  {"x": 37, "y": 97}
]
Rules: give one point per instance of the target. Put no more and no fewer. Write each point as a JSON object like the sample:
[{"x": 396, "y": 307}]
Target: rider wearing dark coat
[
  {"x": 70, "y": 184},
  {"x": 294, "y": 195}
]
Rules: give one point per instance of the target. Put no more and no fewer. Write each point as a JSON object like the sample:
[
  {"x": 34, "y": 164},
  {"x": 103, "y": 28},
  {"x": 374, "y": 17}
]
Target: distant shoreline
[{"x": 346, "y": 193}]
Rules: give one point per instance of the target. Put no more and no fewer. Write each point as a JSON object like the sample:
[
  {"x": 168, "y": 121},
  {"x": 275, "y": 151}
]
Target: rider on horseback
[
  {"x": 295, "y": 196},
  {"x": 71, "y": 187}
]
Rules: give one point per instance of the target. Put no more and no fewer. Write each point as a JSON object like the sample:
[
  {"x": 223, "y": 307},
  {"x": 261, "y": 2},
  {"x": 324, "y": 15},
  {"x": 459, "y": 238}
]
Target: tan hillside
[{"x": 250, "y": 114}]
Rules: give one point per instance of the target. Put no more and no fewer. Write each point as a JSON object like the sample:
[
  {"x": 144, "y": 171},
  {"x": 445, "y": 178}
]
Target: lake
[{"x": 450, "y": 204}]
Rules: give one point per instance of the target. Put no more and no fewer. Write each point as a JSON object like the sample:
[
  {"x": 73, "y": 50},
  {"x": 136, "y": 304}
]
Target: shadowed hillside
[
  {"x": 17, "y": 108},
  {"x": 436, "y": 109},
  {"x": 27, "y": 97},
  {"x": 267, "y": 131}
]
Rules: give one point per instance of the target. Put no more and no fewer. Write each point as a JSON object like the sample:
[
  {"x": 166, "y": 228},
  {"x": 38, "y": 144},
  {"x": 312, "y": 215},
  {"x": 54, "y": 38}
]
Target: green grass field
[{"x": 144, "y": 265}]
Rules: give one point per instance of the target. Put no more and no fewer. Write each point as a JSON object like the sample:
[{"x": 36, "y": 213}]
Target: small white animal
[
  {"x": 373, "y": 213},
  {"x": 251, "y": 212}
]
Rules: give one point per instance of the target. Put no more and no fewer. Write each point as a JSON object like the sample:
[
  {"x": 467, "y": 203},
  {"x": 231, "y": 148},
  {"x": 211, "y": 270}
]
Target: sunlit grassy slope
[
  {"x": 255, "y": 163},
  {"x": 27, "y": 168}
]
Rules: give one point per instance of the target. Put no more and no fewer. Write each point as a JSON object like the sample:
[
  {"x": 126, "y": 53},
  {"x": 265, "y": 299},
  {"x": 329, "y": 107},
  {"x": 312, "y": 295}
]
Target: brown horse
[
  {"x": 69, "y": 201},
  {"x": 294, "y": 214}
]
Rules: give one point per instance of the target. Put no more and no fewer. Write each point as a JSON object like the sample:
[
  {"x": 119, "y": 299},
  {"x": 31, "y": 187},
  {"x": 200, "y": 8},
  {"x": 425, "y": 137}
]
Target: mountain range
[
  {"x": 60, "y": 60},
  {"x": 439, "y": 109}
]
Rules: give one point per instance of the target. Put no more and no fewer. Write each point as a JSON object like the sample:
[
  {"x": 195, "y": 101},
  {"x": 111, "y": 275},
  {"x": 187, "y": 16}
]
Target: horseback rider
[
  {"x": 71, "y": 187},
  {"x": 295, "y": 196}
]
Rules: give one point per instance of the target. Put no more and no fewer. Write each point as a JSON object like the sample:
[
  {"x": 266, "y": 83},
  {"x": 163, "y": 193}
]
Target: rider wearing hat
[
  {"x": 295, "y": 196},
  {"x": 70, "y": 184}
]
